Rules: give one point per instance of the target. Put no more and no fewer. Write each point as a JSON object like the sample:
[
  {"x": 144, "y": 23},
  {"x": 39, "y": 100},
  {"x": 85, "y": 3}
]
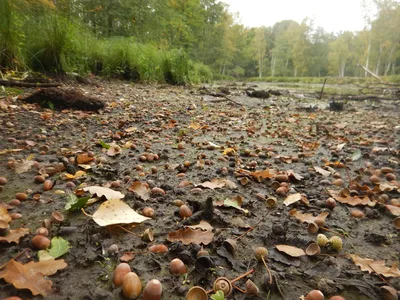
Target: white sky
[{"x": 332, "y": 15}]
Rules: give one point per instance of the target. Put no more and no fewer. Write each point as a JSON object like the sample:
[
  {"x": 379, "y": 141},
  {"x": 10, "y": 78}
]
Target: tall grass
[{"x": 40, "y": 39}]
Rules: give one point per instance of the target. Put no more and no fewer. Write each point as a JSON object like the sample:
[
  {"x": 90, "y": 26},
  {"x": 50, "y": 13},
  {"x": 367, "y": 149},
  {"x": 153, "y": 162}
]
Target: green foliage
[
  {"x": 58, "y": 248},
  {"x": 219, "y": 295},
  {"x": 74, "y": 203}
]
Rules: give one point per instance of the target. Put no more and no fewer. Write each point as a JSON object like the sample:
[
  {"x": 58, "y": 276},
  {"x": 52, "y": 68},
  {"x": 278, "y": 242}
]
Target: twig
[
  {"x": 27, "y": 84},
  {"x": 335, "y": 232},
  {"x": 253, "y": 227},
  {"x": 236, "y": 279},
  {"x": 15, "y": 257},
  {"x": 380, "y": 276},
  {"x": 85, "y": 213},
  {"x": 269, "y": 272},
  {"x": 322, "y": 90},
  {"x": 239, "y": 289},
  {"x": 127, "y": 230}
]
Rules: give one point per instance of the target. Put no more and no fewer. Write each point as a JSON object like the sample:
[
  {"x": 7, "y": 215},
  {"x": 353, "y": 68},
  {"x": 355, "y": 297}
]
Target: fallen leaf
[
  {"x": 351, "y": 200},
  {"x": 127, "y": 256},
  {"x": 389, "y": 186},
  {"x": 367, "y": 264},
  {"x": 22, "y": 166},
  {"x": 235, "y": 202},
  {"x": 58, "y": 247},
  {"x": 259, "y": 175},
  {"x": 194, "y": 126},
  {"x": 78, "y": 174},
  {"x": 217, "y": 183},
  {"x": 394, "y": 210},
  {"x": 115, "y": 211},
  {"x": 356, "y": 155},
  {"x": 102, "y": 191},
  {"x": 83, "y": 158},
  {"x": 4, "y": 216},
  {"x": 130, "y": 129},
  {"x": 31, "y": 276},
  {"x": 229, "y": 151},
  {"x": 238, "y": 222},
  {"x": 14, "y": 235},
  {"x": 340, "y": 146},
  {"x": 308, "y": 218},
  {"x": 291, "y": 250},
  {"x": 292, "y": 199},
  {"x": 191, "y": 236},
  {"x": 203, "y": 225},
  {"x": 74, "y": 203},
  {"x": 114, "y": 150},
  {"x": 141, "y": 189},
  {"x": 322, "y": 171}
]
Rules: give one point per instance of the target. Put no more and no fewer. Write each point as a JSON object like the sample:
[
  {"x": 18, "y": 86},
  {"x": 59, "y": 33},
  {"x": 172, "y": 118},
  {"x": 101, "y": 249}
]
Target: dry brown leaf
[
  {"x": 217, "y": 183},
  {"x": 102, "y": 191},
  {"x": 141, "y": 189},
  {"x": 31, "y": 275},
  {"x": 203, "y": 225},
  {"x": 191, "y": 236},
  {"x": 292, "y": 199},
  {"x": 78, "y": 174},
  {"x": 291, "y": 250},
  {"x": 322, "y": 171},
  {"x": 127, "y": 256},
  {"x": 294, "y": 175},
  {"x": 14, "y": 235},
  {"x": 389, "y": 186},
  {"x": 394, "y": 210},
  {"x": 351, "y": 200},
  {"x": 115, "y": 211},
  {"x": 308, "y": 218},
  {"x": 83, "y": 158},
  {"x": 259, "y": 175},
  {"x": 367, "y": 264},
  {"x": 4, "y": 213},
  {"x": 114, "y": 150},
  {"x": 194, "y": 126},
  {"x": 22, "y": 166}
]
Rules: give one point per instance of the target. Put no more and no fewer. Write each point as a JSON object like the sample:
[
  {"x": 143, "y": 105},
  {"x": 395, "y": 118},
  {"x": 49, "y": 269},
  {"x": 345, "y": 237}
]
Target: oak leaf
[
  {"x": 83, "y": 158},
  {"x": 191, "y": 236},
  {"x": 293, "y": 198},
  {"x": 14, "y": 235},
  {"x": 394, "y": 210},
  {"x": 203, "y": 225},
  {"x": 367, "y": 264},
  {"x": 321, "y": 171},
  {"x": 4, "y": 216},
  {"x": 31, "y": 275},
  {"x": 308, "y": 218},
  {"x": 217, "y": 183},
  {"x": 351, "y": 200}
]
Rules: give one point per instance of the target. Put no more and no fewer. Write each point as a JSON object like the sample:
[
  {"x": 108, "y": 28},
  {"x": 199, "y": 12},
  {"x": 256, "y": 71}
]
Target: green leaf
[
  {"x": 219, "y": 295},
  {"x": 44, "y": 255},
  {"x": 356, "y": 155},
  {"x": 59, "y": 247},
  {"x": 104, "y": 145},
  {"x": 74, "y": 203},
  {"x": 51, "y": 105},
  {"x": 235, "y": 204}
]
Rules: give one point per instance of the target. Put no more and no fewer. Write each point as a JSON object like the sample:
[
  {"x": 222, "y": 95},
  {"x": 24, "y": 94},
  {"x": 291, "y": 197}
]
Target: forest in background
[{"x": 178, "y": 41}]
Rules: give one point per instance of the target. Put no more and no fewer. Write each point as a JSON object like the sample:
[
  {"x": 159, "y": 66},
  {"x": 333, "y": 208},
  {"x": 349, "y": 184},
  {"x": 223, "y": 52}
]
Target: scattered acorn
[
  {"x": 337, "y": 298},
  {"x": 185, "y": 211},
  {"x": 388, "y": 293},
  {"x": 356, "y": 213},
  {"x": 148, "y": 212},
  {"x": 336, "y": 243},
  {"x": 177, "y": 267},
  {"x": 315, "y": 295},
  {"x": 21, "y": 196},
  {"x": 158, "y": 249},
  {"x": 312, "y": 227},
  {"x": 282, "y": 191},
  {"x": 3, "y": 180},
  {"x": 261, "y": 253},
  {"x": 397, "y": 223},
  {"x": 196, "y": 293},
  {"x": 113, "y": 249},
  {"x": 230, "y": 245},
  {"x": 322, "y": 240},
  {"x": 57, "y": 217},
  {"x": 131, "y": 285},
  {"x": 223, "y": 284},
  {"x": 4, "y": 228},
  {"x": 40, "y": 242},
  {"x": 120, "y": 271},
  {"x": 42, "y": 231},
  {"x": 252, "y": 288},
  {"x": 153, "y": 290},
  {"x": 148, "y": 235},
  {"x": 313, "y": 249},
  {"x": 47, "y": 185},
  {"x": 330, "y": 203}
]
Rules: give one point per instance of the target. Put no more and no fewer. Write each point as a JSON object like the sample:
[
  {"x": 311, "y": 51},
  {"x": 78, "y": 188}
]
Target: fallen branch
[
  {"x": 371, "y": 73},
  {"x": 27, "y": 84},
  {"x": 226, "y": 99}
]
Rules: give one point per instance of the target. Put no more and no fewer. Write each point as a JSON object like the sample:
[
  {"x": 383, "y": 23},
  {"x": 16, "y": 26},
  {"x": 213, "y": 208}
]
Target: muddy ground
[{"x": 197, "y": 139}]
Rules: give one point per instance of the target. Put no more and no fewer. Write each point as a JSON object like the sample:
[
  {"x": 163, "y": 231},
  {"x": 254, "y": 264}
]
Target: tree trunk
[
  {"x": 378, "y": 63},
  {"x": 368, "y": 52},
  {"x": 389, "y": 61}
]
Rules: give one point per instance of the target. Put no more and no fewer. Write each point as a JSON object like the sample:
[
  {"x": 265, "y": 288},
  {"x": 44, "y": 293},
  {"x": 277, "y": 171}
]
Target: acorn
[
  {"x": 261, "y": 253},
  {"x": 21, "y": 196},
  {"x": 196, "y": 293},
  {"x": 158, "y": 249},
  {"x": 389, "y": 293},
  {"x": 313, "y": 249},
  {"x": 153, "y": 290},
  {"x": 336, "y": 298},
  {"x": 148, "y": 212},
  {"x": 397, "y": 223},
  {"x": 148, "y": 235},
  {"x": 178, "y": 202},
  {"x": 3, "y": 180},
  {"x": 185, "y": 211},
  {"x": 374, "y": 179},
  {"x": 322, "y": 240},
  {"x": 356, "y": 213},
  {"x": 252, "y": 288},
  {"x": 4, "y": 228},
  {"x": 223, "y": 284},
  {"x": 57, "y": 217},
  {"x": 177, "y": 267},
  {"x": 282, "y": 191},
  {"x": 40, "y": 242},
  {"x": 315, "y": 295},
  {"x": 203, "y": 263},
  {"x": 47, "y": 185},
  {"x": 131, "y": 285},
  {"x": 120, "y": 271},
  {"x": 42, "y": 231},
  {"x": 336, "y": 243},
  {"x": 312, "y": 227},
  {"x": 202, "y": 252},
  {"x": 230, "y": 245},
  {"x": 330, "y": 203},
  {"x": 113, "y": 249}
]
